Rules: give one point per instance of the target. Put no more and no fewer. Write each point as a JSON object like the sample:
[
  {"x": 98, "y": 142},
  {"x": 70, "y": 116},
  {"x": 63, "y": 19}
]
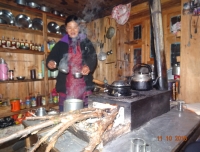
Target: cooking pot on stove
[{"x": 117, "y": 88}]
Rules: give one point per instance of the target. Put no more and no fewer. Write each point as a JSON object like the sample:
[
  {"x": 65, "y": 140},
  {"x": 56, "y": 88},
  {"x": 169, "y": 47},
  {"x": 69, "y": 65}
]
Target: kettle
[{"x": 3, "y": 70}]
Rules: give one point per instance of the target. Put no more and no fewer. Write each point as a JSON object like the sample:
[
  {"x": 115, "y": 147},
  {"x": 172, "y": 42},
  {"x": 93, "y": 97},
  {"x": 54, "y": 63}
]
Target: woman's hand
[
  {"x": 85, "y": 70},
  {"x": 51, "y": 64}
]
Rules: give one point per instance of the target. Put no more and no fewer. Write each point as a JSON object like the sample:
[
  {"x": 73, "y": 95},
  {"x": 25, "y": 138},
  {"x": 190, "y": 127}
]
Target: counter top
[{"x": 164, "y": 133}]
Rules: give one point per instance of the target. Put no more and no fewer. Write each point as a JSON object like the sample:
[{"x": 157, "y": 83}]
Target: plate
[
  {"x": 53, "y": 27},
  {"x": 62, "y": 30},
  {"x": 6, "y": 17},
  {"x": 24, "y": 21},
  {"x": 37, "y": 24}
]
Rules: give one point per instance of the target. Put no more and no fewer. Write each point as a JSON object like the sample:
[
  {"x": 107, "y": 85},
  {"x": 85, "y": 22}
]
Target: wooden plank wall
[{"x": 190, "y": 71}]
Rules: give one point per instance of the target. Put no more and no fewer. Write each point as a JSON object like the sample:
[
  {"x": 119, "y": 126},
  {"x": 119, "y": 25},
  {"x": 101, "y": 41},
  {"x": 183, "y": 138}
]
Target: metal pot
[
  {"x": 176, "y": 69},
  {"x": 45, "y": 8},
  {"x": 72, "y": 104},
  {"x": 21, "y": 2},
  {"x": 118, "y": 88},
  {"x": 142, "y": 82},
  {"x": 40, "y": 112}
]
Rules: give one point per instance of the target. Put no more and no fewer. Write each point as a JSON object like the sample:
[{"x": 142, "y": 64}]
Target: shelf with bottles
[
  {"x": 23, "y": 51},
  {"x": 17, "y": 81}
]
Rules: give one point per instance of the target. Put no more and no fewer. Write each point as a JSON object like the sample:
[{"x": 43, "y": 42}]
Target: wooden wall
[{"x": 190, "y": 53}]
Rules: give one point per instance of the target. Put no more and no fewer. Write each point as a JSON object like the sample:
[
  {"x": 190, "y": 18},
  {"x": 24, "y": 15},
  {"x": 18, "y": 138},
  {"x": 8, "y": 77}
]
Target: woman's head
[{"x": 72, "y": 26}]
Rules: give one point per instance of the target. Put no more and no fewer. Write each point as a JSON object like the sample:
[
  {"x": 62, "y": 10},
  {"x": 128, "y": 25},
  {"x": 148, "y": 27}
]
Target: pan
[
  {"x": 6, "y": 17},
  {"x": 24, "y": 21},
  {"x": 62, "y": 30},
  {"x": 37, "y": 24},
  {"x": 102, "y": 55},
  {"x": 53, "y": 27},
  {"x": 45, "y": 8}
]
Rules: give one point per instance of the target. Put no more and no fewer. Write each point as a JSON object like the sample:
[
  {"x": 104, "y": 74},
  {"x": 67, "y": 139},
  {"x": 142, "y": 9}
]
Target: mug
[
  {"x": 139, "y": 145},
  {"x": 180, "y": 105}
]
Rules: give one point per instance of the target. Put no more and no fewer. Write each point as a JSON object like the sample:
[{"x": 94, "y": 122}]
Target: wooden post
[{"x": 156, "y": 16}]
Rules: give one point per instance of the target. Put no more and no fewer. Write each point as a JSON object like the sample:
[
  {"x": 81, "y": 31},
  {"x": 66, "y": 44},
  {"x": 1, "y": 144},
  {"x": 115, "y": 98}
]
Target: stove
[{"x": 139, "y": 107}]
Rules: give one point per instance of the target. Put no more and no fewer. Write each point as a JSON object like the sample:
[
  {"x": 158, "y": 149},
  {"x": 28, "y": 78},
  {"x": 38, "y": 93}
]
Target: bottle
[
  {"x": 17, "y": 44},
  {"x": 28, "y": 102},
  {"x": 26, "y": 44},
  {"x": 33, "y": 47},
  {"x": 39, "y": 99},
  {"x": 36, "y": 47},
  {"x": 33, "y": 102},
  {"x": 22, "y": 42},
  {"x": 13, "y": 43},
  {"x": 43, "y": 100},
  {"x": 30, "y": 44},
  {"x": 8, "y": 42},
  {"x": 39, "y": 47},
  {"x": 3, "y": 42},
  {"x": 11, "y": 74}
]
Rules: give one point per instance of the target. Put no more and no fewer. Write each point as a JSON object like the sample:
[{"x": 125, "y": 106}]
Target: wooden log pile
[{"x": 59, "y": 124}]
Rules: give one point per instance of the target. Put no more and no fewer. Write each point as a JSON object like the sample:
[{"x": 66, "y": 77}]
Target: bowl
[
  {"x": 20, "y": 77},
  {"x": 77, "y": 75}
]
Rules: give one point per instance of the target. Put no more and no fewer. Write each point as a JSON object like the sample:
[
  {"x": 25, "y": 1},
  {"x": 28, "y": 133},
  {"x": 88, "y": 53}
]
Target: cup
[
  {"x": 139, "y": 145},
  {"x": 181, "y": 105}
]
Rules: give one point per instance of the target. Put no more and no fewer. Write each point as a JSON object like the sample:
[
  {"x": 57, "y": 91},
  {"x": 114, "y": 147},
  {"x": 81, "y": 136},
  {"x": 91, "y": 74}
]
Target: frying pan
[{"x": 22, "y": 20}]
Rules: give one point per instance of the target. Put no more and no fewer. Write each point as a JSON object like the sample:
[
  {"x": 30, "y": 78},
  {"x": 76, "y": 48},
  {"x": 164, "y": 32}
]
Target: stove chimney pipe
[{"x": 160, "y": 59}]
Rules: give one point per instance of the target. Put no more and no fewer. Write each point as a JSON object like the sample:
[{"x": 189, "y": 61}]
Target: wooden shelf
[
  {"x": 20, "y": 51},
  {"x": 51, "y": 78},
  {"x": 54, "y": 35},
  {"x": 5, "y": 111},
  {"x": 19, "y": 29},
  {"x": 17, "y": 81},
  {"x": 131, "y": 42}
]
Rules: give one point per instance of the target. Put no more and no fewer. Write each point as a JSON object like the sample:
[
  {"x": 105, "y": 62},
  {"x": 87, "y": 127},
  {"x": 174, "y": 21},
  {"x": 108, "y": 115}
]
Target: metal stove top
[{"x": 135, "y": 95}]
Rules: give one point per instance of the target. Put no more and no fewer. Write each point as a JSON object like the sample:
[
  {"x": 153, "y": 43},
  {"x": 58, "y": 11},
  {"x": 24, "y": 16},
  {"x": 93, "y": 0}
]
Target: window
[
  {"x": 137, "y": 32},
  {"x": 175, "y": 23},
  {"x": 175, "y": 51}
]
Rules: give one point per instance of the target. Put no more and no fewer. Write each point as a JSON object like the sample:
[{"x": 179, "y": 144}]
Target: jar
[
  {"x": 28, "y": 102},
  {"x": 33, "y": 102},
  {"x": 15, "y": 105},
  {"x": 22, "y": 105},
  {"x": 43, "y": 100},
  {"x": 11, "y": 74},
  {"x": 33, "y": 74}
]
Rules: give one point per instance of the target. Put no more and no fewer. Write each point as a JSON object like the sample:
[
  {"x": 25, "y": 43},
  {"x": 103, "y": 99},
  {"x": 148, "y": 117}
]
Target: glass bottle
[
  {"x": 8, "y": 42},
  {"x": 3, "y": 42},
  {"x": 26, "y": 44},
  {"x": 30, "y": 44},
  {"x": 33, "y": 47},
  {"x": 22, "y": 43},
  {"x": 39, "y": 99},
  {"x": 36, "y": 47},
  {"x": 17, "y": 44},
  {"x": 13, "y": 43},
  {"x": 39, "y": 47}
]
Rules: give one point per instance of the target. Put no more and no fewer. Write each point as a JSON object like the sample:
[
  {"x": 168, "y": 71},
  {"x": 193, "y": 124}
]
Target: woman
[{"x": 80, "y": 57}]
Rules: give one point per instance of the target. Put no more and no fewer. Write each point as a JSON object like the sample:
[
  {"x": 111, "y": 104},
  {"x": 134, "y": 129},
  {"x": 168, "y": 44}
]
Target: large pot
[
  {"x": 72, "y": 104},
  {"x": 142, "y": 82}
]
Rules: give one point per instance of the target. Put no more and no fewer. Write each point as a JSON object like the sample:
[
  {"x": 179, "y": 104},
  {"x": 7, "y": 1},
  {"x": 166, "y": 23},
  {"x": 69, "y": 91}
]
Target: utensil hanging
[{"x": 102, "y": 55}]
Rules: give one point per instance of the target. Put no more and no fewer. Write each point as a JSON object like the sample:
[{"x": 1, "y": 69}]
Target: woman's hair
[{"x": 71, "y": 18}]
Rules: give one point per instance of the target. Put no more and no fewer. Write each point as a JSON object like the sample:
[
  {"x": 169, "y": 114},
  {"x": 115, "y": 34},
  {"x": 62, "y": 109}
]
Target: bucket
[
  {"x": 3, "y": 71},
  {"x": 72, "y": 104}
]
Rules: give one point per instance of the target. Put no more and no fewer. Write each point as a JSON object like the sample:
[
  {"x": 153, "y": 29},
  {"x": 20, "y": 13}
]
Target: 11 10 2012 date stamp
[{"x": 172, "y": 138}]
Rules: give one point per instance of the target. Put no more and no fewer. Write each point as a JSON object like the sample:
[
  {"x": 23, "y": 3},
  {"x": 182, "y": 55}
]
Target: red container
[
  {"x": 15, "y": 105},
  {"x": 176, "y": 77}
]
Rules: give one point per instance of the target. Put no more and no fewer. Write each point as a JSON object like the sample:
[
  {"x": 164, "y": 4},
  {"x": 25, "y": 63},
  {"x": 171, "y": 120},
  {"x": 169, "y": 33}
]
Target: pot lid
[{"x": 119, "y": 83}]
